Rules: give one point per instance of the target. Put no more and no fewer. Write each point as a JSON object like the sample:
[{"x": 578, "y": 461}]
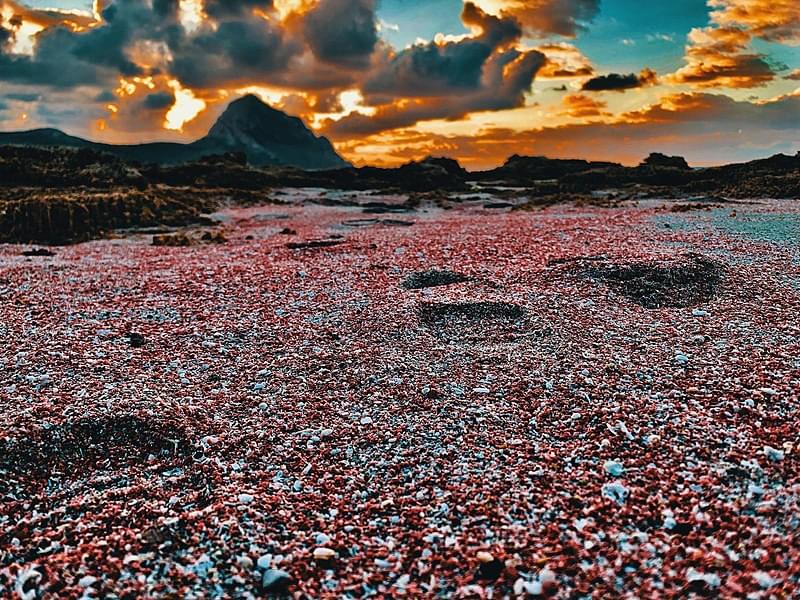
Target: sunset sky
[{"x": 392, "y": 80}]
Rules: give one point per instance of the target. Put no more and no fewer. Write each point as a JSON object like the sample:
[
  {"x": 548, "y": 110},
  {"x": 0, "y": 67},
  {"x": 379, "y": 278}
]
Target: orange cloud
[
  {"x": 716, "y": 57},
  {"x": 564, "y": 61},
  {"x": 706, "y": 128},
  {"x": 562, "y": 17},
  {"x": 581, "y": 106},
  {"x": 771, "y": 20},
  {"x": 719, "y": 55}
]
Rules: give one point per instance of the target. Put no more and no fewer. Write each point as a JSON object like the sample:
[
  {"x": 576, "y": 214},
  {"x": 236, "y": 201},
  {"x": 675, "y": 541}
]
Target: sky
[{"x": 388, "y": 81}]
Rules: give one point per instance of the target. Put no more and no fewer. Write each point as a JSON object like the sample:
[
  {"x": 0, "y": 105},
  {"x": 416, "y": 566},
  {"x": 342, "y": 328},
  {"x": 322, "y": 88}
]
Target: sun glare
[
  {"x": 191, "y": 14},
  {"x": 186, "y": 107}
]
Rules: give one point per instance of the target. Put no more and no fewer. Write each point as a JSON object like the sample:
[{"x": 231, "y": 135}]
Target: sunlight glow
[
  {"x": 186, "y": 107},
  {"x": 191, "y": 14}
]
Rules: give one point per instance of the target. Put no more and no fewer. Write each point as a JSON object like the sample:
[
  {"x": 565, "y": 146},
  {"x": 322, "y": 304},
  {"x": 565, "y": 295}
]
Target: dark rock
[
  {"x": 287, "y": 231},
  {"x": 656, "y": 159},
  {"x": 38, "y": 252},
  {"x": 136, "y": 340},
  {"x": 313, "y": 244},
  {"x": 688, "y": 282},
  {"x": 275, "y": 581},
  {"x": 432, "y": 278},
  {"x": 433, "y": 313},
  {"x": 491, "y": 570}
]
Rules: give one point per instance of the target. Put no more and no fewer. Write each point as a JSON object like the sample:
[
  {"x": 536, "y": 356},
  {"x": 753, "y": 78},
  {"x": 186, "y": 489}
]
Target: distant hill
[{"x": 266, "y": 135}]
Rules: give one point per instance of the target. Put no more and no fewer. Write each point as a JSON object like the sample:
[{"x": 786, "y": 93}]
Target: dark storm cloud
[
  {"x": 158, "y": 100},
  {"x": 507, "y": 77},
  {"x": 434, "y": 69},
  {"x": 54, "y": 63},
  {"x": 237, "y": 51},
  {"x": 227, "y": 8},
  {"x": 23, "y": 97},
  {"x": 342, "y": 32},
  {"x": 619, "y": 83}
]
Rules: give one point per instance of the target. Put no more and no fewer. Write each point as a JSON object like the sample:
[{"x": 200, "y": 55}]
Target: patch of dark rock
[
  {"x": 312, "y": 244},
  {"x": 470, "y": 312},
  {"x": 82, "y": 445},
  {"x": 136, "y": 340},
  {"x": 69, "y": 216},
  {"x": 432, "y": 278},
  {"x": 380, "y": 208},
  {"x": 498, "y": 205},
  {"x": 360, "y": 222},
  {"x": 275, "y": 581},
  {"x": 182, "y": 239},
  {"x": 371, "y": 222},
  {"x": 575, "y": 259},
  {"x": 491, "y": 570},
  {"x": 396, "y": 223},
  {"x": 287, "y": 231},
  {"x": 38, "y": 252},
  {"x": 688, "y": 282}
]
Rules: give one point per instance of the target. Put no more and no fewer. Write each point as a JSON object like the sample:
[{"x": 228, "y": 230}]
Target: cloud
[
  {"x": 620, "y": 83},
  {"x": 770, "y": 20},
  {"x": 706, "y": 128},
  {"x": 564, "y": 61},
  {"x": 342, "y": 32},
  {"x": 562, "y": 17},
  {"x": 506, "y": 77},
  {"x": 717, "y": 57},
  {"x": 159, "y": 100},
  {"x": 720, "y": 55},
  {"x": 446, "y": 79},
  {"x": 582, "y": 106},
  {"x": 794, "y": 75}
]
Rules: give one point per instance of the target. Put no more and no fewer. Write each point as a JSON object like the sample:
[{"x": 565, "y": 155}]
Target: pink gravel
[{"x": 286, "y": 401}]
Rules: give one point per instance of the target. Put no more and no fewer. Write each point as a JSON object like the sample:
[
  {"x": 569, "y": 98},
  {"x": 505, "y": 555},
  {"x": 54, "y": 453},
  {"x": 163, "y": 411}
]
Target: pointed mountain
[
  {"x": 270, "y": 137},
  {"x": 266, "y": 135}
]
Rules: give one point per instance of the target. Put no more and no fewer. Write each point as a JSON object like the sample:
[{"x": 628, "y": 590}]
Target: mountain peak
[{"x": 270, "y": 136}]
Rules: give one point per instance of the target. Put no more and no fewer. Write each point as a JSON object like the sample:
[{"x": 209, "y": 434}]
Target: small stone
[
  {"x": 576, "y": 416},
  {"x": 136, "y": 340},
  {"x": 275, "y": 580},
  {"x": 264, "y": 561},
  {"x": 489, "y": 570},
  {"x": 324, "y": 554},
  {"x": 87, "y": 581},
  {"x": 765, "y": 580},
  {"x": 613, "y": 468},
  {"x": 711, "y": 579},
  {"x": 246, "y": 498},
  {"x": 773, "y": 454},
  {"x": 681, "y": 358},
  {"x": 616, "y": 492},
  {"x": 484, "y": 557},
  {"x": 366, "y": 420},
  {"x": 322, "y": 538},
  {"x": 245, "y": 562},
  {"x": 697, "y": 312}
]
